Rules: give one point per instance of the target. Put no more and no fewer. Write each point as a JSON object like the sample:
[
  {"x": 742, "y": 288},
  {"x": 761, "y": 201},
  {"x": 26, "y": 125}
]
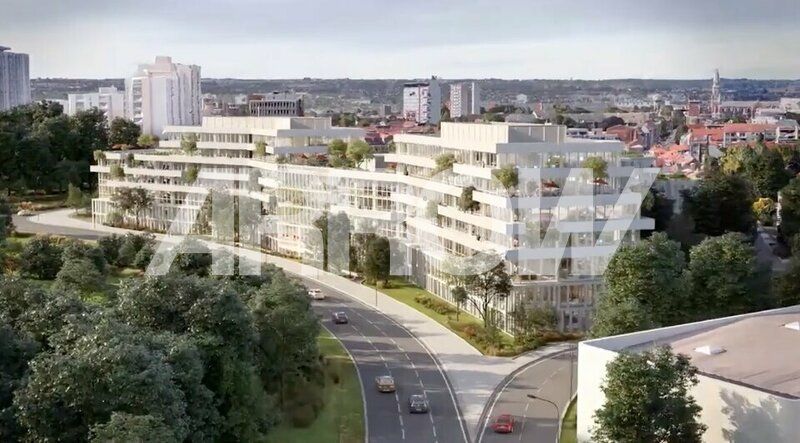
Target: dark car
[
  {"x": 417, "y": 404},
  {"x": 385, "y": 383},
  {"x": 340, "y": 318}
]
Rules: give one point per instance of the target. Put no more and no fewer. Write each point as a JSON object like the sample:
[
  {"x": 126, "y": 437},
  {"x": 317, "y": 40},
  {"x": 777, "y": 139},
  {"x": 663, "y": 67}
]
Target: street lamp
[{"x": 558, "y": 411}]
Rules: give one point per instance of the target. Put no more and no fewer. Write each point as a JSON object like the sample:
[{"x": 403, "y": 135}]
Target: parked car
[
  {"x": 385, "y": 383},
  {"x": 503, "y": 424},
  {"x": 316, "y": 294},
  {"x": 417, "y": 404},
  {"x": 340, "y": 318}
]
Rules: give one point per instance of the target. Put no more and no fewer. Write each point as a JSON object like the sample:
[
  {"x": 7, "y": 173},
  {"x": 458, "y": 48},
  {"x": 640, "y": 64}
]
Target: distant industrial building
[
  {"x": 109, "y": 100},
  {"x": 465, "y": 99},
  {"x": 422, "y": 101},
  {"x": 15, "y": 79},
  {"x": 276, "y": 104},
  {"x": 164, "y": 94},
  {"x": 749, "y": 382}
]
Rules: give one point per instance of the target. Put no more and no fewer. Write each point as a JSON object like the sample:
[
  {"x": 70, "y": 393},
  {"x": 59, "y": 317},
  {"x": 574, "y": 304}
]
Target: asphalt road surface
[
  {"x": 379, "y": 346},
  {"x": 552, "y": 378}
]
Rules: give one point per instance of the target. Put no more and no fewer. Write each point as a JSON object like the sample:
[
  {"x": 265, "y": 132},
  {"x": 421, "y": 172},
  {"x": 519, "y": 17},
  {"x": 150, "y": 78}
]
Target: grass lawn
[
  {"x": 342, "y": 418},
  {"x": 407, "y": 293},
  {"x": 570, "y": 424}
]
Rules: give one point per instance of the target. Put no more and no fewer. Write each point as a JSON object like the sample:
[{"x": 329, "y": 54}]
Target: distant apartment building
[
  {"x": 109, "y": 100},
  {"x": 162, "y": 94},
  {"x": 275, "y": 104},
  {"x": 282, "y": 163},
  {"x": 465, "y": 99},
  {"x": 15, "y": 79},
  {"x": 790, "y": 104},
  {"x": 422, "y": 101}
]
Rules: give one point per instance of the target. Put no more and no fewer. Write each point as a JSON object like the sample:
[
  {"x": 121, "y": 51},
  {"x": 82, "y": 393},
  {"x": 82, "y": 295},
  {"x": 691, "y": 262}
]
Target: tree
[
  {"x": 658, "y": 207},
  {"x": 124, "y": 132},
  {"x": 485, "y": 287},
  {"x": 189, "y": 144},
  {"x": 786, "y": 285},
  {"x": 133, "y": 200},
  {"x": 611, "y": 121},
  {"x": 764, "y": 210},
  {"x": 75, "y": 198},
  {"x": 190, "y": 174},
  {"x": 111, "y": 245},
  {"x": 6, "y": 219},
  {"x": 790, "y": 209},
  {"x": 653, "y": 266},
  {"x": 725, "y": 278},
  {"x": 655, "y": 384},
  {"x": 116, "y": 171},
  {"x": 123, "y": 428},
  {"x": 337, "y": 150},
  {"x": 74, "y": 249},
  {"x": 41, "y": 258},
  {"x": 16, "y": 350},
  {"x": 720, "y": 204},
  {"x": 358, "y": 151},
  {"x": 460, "y": 297},
  {"x": 79, "y": 274},
  {"x": 767, "y": 173},
  {"x": 376, "y": 263},
  {"x": 508, "y": 176},
  {"x": 147, "y": 141},
  {"x": 466, "y": 203},
  {"x": 444, "y": 162},
  {"x": 530, "y": 322},
  {"x": 261, "y": 149},
  {"x": 622, "y": 317},
  {"x": 84, "y": 381},
  {"x": 598, "y": 166},
  {"x": 735, "y": 159}
]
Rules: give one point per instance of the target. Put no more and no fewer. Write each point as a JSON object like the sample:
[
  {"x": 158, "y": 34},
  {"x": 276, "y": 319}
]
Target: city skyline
[{"x": 92, "y": 39}]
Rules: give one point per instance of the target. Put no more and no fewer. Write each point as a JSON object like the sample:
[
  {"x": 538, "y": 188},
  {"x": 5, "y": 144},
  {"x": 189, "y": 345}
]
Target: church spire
[{"x": 716, "y": 96}]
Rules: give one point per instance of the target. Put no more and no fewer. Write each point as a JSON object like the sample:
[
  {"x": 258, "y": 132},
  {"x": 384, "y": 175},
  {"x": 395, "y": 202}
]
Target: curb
[
  {"x": 500, "y": 386},
  {"x": 564, "y": 415}
]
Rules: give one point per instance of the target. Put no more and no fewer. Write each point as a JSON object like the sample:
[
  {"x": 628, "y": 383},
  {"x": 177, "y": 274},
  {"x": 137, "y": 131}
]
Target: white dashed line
[
  {"x": 401, "y": 420},
  {"x": 413, "y": 366},
  {"x": 416, "y": 372},
  {"x": 397, "y": 397},
  {"x": 383, "y": 358},
  {"x": 399, "y": 411},
  {"x": 403, "y": 433},
  {"x": 434, "y": 428},
  {"x": 434, "y": 431},
  {"x": 394, "y": 342}
]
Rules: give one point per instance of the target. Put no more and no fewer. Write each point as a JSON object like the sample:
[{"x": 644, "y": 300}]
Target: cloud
[{"x": 379, "y": 38}]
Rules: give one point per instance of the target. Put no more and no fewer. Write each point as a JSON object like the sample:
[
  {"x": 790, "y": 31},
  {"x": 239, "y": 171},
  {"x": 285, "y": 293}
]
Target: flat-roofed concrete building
[
  {"x": 748, "y": 370},
  {"x": 109, "y": 100},
  {"x": 276, "y": 104}
]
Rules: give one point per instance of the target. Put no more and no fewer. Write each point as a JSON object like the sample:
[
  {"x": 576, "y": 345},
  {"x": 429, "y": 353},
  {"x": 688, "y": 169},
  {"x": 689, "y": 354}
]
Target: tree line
[
  {"x": 702, "y": 265},
  {"x": 43, "y": 149},
  {"x": 176, "y": 358}
]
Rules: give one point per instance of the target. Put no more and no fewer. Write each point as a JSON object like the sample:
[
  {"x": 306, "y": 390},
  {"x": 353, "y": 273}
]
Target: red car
[{"x": 503, "y": 424}]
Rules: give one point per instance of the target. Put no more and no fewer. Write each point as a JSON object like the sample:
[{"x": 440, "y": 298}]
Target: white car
[
  {"x": 25, "y": 212},
  {"x": 316, "y": 294}
]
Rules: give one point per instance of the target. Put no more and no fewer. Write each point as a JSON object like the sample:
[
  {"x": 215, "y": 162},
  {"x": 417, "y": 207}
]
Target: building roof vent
[
  {"x": 793, "y": 325},
  {"x": 709, "y": 350}
]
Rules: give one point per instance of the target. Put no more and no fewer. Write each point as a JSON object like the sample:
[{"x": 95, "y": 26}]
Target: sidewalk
[{"x": 472, "y": 375}]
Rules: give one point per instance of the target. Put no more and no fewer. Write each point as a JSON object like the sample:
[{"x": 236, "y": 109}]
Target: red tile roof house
[{"x": 625, "y": 134}]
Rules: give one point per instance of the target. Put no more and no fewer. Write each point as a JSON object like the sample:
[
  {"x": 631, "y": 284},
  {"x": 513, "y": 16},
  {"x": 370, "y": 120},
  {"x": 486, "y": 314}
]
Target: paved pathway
[{"x": 473, "y": 376}]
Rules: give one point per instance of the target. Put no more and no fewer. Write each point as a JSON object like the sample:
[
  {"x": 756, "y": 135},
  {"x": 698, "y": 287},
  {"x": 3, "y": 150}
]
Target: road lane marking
[
  {"x": 416, "y": 372},
  {"x": 400, "y": 417},
  {"x": 394, "y": 342},
  {"x": 399, "y": 411},
  {"x": 483, "y": 425},
  {"x": 403, "y": 432}
]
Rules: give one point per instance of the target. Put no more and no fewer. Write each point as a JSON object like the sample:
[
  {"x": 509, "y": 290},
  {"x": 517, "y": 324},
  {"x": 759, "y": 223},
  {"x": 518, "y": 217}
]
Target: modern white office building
[
  {"x": 748, "y": 371},
  {"x": 422, "y": 101},
  {"x": 433, "y": 213},
  {"x": 465, "y": 99},
  {"x": 109, "y": 100},
  {"x": 15, "y": 79},
  {"x": 162, "y": 94}
]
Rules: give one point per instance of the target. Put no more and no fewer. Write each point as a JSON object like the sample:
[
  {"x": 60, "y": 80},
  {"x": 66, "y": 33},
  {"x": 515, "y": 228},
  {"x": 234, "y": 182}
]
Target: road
[
  {"x": 379, "y": 346},
  {"x": 552, "y": 378}
]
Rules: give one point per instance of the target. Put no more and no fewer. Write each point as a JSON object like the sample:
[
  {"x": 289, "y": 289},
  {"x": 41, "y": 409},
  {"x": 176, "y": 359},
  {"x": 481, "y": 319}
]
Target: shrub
[
  {"x": 41, "y": 258},
  {"x": 438, "y": 306},
  {"x": 110, "y": 246}
]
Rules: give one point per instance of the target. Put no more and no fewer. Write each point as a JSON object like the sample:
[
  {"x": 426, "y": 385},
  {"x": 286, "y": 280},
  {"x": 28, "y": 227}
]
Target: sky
[{"x": 524, "y": 39}]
